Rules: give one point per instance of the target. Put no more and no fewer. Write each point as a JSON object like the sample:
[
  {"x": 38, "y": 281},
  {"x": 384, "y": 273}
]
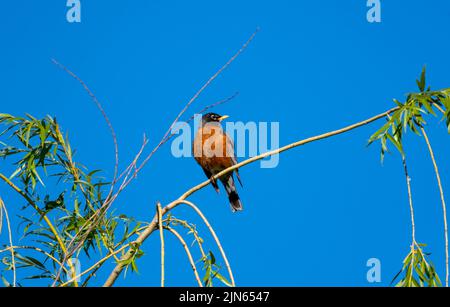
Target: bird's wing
[
  {"x": 197, "y": 150},
  {"x": 213, "y": 181},
  {"x": 232, "y": 154}
]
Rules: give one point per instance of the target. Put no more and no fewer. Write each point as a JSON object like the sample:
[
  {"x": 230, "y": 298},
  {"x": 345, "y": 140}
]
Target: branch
[
  {"x": 411, "y": 209},
  {"x": 105, "y": 116},
  {"x": 145, "y": 234},
  {"x": 8, "y": 225},
  {"x": 99, "y": 106},
  {"x": 174, "y": 133},
  {"x": 188, "y": 253},
  {"x": 116, "y": 151},
  {"x": 213, "y": 233},
  {"x": 161, "y": 236},
  {"x": 444, "y": 207},
  {"x": 287, "y": 147},
  {"x": 192, "y": 229},
  {"x": 149, "y": 230},
  {"x": 96, "y": 265}
]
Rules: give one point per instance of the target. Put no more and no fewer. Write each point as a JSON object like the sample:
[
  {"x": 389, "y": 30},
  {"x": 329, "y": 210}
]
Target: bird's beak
[{"x": 223, "y": 117}]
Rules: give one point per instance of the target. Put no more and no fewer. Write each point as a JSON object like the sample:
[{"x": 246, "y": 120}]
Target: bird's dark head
[{"x": 213, "y": 117}]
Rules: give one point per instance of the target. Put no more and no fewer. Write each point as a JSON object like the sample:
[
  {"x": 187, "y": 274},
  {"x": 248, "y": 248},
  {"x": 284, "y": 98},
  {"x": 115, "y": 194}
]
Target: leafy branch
[
  {"x": 410, "y": 116},
  {"x": 38, "y": 148}
]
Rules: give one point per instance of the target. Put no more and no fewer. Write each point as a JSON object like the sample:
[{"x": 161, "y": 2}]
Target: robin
[{"x": 214, "y": 151}]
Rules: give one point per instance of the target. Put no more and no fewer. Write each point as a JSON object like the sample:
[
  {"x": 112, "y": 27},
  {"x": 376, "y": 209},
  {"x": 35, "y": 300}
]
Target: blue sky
[{"x": 315, "y": 66}]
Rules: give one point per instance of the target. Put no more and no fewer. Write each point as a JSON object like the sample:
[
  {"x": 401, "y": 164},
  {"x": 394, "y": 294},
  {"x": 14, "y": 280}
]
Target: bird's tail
[{"x": 233, "y": 197}]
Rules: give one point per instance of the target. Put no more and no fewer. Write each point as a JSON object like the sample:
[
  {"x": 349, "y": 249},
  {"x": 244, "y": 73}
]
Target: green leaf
[
  {"x": 380, "y": 132},
  {"x": 213, "y": 258},
  {"x": 396, "y": 143},
  {"x": 421, "y": 81},
  {"x": 223, "y": 279},
  {"x": 5, "y": 282}
]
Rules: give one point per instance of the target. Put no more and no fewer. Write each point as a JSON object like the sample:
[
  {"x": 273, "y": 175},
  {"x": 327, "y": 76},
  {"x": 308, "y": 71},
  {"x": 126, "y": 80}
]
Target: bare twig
[
  {"x": 196, "y": 95},
  {"x": 444, "y": 207},
  {"x": 411, "y": 209},
  {"x": 105, "y": 116},
  {"x": 96, "y": 265},
  {"x": 201, "y": 112},
  {"x": 161, "y": 236},
  {"x": 111, "y": 198},
  {"x": 194, "y": 232},
  {"x": 1, "y": 218},
  {"x": 147, "y": 232},
  {"x": 132, "y": 165},
  {"x": 116, "y": 151},
  {"x": 214, "y": 105},
  {"x": 188, "y": 253}
]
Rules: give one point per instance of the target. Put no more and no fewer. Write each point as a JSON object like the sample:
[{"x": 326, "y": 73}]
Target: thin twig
[
  {"x": 75, "y": 174},
  {"x": 213, "y": 105},
  {"x": 96, "y": 265},
  {"x": 174, "y": 133},
  {"x": 132, "y": 165},
  {"x": 151, "y": 227},
  {"x": 444, "y": 207},
  {"x": 161, "y": 236},
  {"x": 149, "y": 230},
  {"x": 8, "y": 225},
  {"x": 194, "y": 232},
  {"x": 213, "y": 233},
  {"x": 1, "y": 219},
  {"x": 188, "y": 253},
  {"x": 116, "y": 149},
  {"x": 411, "y": 210},
  {"x": 196, "y": 95},
  {"x": 100, "y": 107},
  {"x": 105, "y": 206},
  {"x": 110, "y": 199}
]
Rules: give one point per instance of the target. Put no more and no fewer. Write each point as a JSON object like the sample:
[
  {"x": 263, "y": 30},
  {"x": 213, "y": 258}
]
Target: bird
[{"x": 214, "y": 151}]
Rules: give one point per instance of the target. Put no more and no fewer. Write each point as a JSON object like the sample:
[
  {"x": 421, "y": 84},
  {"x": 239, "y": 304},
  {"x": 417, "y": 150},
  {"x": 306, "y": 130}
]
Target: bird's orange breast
[{"x": 210, "y": 149}]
